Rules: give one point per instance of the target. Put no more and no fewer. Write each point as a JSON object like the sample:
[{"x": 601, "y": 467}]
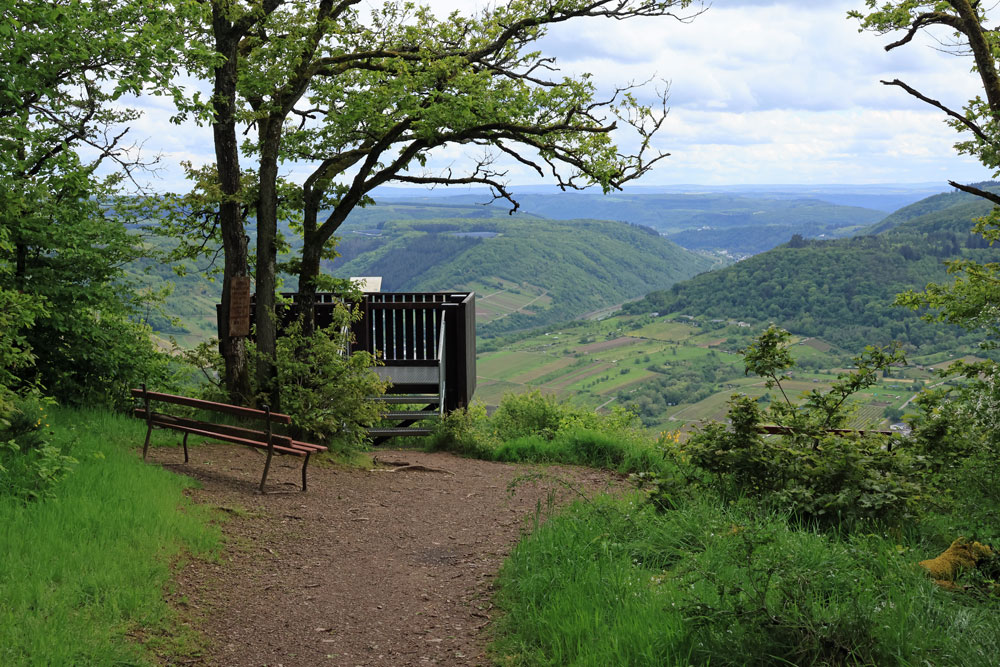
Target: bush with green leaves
[
  {"x": 811, "y": 469},
  {"x": 467, "y": 431},
  {"x": 527, "y": 414},
  {"x": 29, "y": 466},
  {"x": 326, "y": 391},
  {"x": 533, "y": 428},
  {"x": 957, "y": 430},
  {"x": 17, "y": 315}
]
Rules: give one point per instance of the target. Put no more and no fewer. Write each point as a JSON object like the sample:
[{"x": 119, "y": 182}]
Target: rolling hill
[
  {"x": 842, "y": 290},
  {"x": 528, "y": 272},
  {"x": 727, "y": 223}
]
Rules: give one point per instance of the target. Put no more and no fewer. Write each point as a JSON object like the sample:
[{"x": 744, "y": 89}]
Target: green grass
[
  {"x": 666, "y": 330},
  {"x": 536, "y": 428},
  {"x": 83, "y": 575},
  {"x": 578, "y": 446},
  {"x": 613, "y": 582}
]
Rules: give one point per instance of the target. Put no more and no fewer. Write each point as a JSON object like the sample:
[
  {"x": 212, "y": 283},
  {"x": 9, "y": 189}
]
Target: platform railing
[{"x": 404, "y": 329}]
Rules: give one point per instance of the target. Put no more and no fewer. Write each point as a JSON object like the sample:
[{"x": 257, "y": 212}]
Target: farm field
[
  {"x": 496, "y": 298},
  {"x": 618, "y": 360}
]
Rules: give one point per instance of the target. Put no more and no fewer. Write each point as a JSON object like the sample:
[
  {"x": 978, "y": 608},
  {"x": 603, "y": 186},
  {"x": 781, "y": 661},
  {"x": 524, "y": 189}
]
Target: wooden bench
[{"x": 265, "y": 439}]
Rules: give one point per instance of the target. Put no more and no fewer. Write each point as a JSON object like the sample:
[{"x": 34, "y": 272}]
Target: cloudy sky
[{"x": 761, "y": 92}]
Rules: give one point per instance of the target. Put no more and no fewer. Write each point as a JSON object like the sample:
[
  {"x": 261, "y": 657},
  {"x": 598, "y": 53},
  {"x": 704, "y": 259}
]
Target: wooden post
[
  {"x": 149, "y": 420},
  {"x": 270, "y": 446}
]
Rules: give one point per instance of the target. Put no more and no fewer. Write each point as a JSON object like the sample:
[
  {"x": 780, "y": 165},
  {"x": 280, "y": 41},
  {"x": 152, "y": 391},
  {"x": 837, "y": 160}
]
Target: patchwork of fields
[
  {"x": 497, "y": 298},
  {"x": 610, "y": 362}
]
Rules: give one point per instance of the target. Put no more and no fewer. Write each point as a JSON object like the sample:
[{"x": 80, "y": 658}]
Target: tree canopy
[
  {"x": 67, "y": 314},
  {"x": 365, "y": 95}
]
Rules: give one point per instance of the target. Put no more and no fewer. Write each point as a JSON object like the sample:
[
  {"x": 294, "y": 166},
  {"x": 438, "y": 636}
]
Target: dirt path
[{"x": 366, "y": 568}]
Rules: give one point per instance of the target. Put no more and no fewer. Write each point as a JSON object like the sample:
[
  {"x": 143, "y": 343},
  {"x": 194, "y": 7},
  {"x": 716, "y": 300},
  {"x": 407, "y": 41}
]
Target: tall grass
[
  {"x": 613, "y": 582},
  {"x": 83, "y": 574},
  {"x": 532, "y": 428}
]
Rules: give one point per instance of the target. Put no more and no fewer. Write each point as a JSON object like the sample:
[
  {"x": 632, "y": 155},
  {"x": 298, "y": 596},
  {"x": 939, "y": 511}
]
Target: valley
[{"x": 550, "y": 296}]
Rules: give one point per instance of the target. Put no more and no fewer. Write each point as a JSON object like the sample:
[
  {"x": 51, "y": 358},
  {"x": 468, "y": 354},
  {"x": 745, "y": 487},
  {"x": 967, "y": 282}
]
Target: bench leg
[
  {"x": 185, "y": 443},
  {"x": 304, "y": 464},
  {"x": 145, "y": 446},
  {"x": 267, "y": 467}
]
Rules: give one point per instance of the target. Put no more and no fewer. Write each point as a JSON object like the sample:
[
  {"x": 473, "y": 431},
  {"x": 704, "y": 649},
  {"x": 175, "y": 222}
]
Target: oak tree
[{"x": 365, "y": 95}]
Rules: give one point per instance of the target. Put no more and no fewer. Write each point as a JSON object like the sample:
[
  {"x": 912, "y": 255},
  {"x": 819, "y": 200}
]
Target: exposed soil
[{"x": 369, "y": 566}]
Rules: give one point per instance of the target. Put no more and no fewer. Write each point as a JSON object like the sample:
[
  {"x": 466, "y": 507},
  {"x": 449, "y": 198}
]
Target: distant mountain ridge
[{"x": 958, "y": 205}]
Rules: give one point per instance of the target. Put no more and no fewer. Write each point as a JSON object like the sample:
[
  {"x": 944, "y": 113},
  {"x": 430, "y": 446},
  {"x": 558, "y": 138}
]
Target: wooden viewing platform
[{"x": 426, "y": 342}]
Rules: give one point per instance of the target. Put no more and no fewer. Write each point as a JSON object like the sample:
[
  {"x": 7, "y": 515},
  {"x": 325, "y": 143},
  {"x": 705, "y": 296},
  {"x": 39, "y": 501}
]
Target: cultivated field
[{"x": 616, "y": 360}]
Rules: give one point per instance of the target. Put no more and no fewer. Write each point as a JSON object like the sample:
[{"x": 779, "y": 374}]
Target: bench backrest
[{"x": 200, "y": 404}]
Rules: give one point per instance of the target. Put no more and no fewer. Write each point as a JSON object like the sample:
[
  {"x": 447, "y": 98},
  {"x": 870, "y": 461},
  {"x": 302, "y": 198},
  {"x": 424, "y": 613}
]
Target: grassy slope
[
  {"x": 83, "y": 574},
  {"x": 676, "y": 373},
  {"x": 612, "y": 582}
]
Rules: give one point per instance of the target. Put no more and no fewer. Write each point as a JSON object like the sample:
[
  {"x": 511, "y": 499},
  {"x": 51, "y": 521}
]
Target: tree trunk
[
  {"x": 311, "y": 254},
  {"x": 308, "y": 273},
  {"x": 233, "y": 348},
  {"x": 267, "y": 230},
  {"x": 981, "y": 51},
  {"x": 313, "y": 241}
]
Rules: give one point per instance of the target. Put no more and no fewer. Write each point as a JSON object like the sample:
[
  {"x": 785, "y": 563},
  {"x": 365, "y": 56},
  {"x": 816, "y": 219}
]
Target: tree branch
[
  {"x": 972, "y": 190},
  {"x": 924, "y": 20},
  {"x": 978, "y": 131}
]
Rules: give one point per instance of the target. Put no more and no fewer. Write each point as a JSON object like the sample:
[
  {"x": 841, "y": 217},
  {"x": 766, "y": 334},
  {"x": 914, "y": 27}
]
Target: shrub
[
  {"x": 530, "y": 414},
  {"x": 467, "y": 432},
  {"x": 29, "y": 466},
  {"x": 323, "y": 389},
  {"x": 956, "y": 430},
  {"x": 531, "y": 428},
  {"x": 818, "y": 474},
  {"x": 326, "y": 391}
]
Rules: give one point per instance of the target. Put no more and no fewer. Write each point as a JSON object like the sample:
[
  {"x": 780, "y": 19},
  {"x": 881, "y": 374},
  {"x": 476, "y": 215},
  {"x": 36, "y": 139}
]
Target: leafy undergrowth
[
  {"x": 532, "y": 428},
  {"x": 83, "y": 571},
  {"x": 800, "y": 548},
  {"x": 615, "y": 582}
]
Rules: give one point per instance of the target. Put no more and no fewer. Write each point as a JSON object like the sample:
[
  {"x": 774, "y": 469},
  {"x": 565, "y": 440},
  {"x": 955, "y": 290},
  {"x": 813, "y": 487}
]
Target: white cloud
[{"x": 761, "y": 91}]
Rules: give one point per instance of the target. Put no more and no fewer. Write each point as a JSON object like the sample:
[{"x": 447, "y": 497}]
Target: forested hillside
[
  {"x": 955, "y": 210},
  {"x": 842, "y": 290},
  {"x": 574, "y": 266}
]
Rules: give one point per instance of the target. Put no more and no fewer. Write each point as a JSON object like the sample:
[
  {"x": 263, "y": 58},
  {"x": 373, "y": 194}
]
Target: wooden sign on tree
[{"x": 239, "y": 306}]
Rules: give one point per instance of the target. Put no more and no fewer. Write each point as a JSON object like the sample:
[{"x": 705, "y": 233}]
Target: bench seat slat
[
  {"x": 266, "y": 440},
  {"x": 308, "y": 446},
  {"x": 168, "y": 421},
  {"x": 283, "y": 449},
  {"x": 201, "y": 404}
]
